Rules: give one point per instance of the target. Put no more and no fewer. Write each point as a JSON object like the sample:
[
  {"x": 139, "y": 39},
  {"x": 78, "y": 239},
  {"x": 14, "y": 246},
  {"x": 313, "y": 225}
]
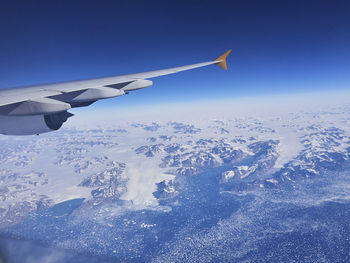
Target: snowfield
[{"x": 133, "y": 179}]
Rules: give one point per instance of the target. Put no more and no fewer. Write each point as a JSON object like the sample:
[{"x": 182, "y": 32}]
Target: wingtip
[{"x": 221, "y": 60}]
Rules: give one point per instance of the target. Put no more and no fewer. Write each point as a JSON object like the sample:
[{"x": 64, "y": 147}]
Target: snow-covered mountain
[
  {"x": 189, "y": 171},
  {"x": 97, "y": 163}
]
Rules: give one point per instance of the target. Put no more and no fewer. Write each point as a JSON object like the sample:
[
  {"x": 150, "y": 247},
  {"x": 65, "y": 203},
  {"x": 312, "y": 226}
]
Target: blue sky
[{"x": 278, "y": 47}]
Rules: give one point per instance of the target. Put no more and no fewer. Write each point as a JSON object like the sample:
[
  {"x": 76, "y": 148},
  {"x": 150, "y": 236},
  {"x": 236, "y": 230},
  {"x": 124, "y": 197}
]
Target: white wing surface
[{"x": 45, "y": 106}]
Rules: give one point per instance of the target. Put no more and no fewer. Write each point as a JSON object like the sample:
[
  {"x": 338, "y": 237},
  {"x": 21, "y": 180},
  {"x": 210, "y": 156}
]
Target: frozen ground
[{"x": 214, "y": 181}]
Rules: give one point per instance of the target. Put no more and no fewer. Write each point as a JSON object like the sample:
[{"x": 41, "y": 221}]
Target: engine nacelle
[{"x": 33, "y": 124}]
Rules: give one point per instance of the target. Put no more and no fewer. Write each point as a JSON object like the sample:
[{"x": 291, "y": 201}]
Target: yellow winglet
[{"x": 221, "y": 60}]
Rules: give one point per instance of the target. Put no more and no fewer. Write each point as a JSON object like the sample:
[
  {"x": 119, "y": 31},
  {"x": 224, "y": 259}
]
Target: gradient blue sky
[{"x": 283, "y": 46}]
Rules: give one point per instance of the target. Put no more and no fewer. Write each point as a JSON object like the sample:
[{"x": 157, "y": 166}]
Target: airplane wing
[{"x": 44, "y": 108}]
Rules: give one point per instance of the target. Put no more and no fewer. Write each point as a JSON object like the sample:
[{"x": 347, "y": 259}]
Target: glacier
[{"x": 249, "y": 181}]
